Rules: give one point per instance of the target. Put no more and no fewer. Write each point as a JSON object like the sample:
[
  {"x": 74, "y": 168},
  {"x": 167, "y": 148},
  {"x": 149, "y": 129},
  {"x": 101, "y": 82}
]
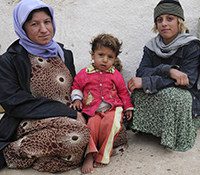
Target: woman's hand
[
  {"x": 180, "y": 77},
  {"x": 134, "y": 83},
  {"x": 80, "y": 118}
]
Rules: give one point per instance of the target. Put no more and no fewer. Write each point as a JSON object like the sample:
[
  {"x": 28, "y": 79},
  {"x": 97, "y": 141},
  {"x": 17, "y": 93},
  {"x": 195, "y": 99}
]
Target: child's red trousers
[{"x": 104, "y": 127}]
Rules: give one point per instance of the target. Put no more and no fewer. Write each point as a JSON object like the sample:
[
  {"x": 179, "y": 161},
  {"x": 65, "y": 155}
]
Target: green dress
[{"x": 168, "y": 115}]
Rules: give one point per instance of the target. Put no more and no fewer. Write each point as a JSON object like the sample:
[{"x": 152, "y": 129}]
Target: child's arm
[
  {"x": 123, "y": 91},
  {"x": 77, "y": 94}
]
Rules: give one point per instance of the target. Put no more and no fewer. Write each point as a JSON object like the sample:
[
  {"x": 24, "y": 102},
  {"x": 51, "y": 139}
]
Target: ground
[{"x": 144, "y": 156}]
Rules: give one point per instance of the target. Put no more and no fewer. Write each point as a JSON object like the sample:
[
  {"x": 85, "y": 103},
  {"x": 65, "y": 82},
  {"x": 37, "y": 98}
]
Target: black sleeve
[
  {"x": 16, "y": 98},
  {"x": 154, "y": 78},
  {"x": 157, "y": 78},
  {"x": 146, "y": 67},
  {"x": 69, "y": 62}
]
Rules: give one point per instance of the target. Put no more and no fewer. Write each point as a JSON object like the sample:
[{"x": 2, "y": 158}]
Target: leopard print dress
[{"x": 53, "y": 144}]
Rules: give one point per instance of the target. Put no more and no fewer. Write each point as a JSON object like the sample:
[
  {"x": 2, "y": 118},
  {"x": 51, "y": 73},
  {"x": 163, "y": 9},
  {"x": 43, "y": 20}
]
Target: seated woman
[
  {"x": 164, "y": 91},
  {"x": 35, "y": 83}
]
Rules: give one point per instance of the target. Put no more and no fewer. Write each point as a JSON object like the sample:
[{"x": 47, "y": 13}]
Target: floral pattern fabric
[{"x": 166, "y": 114}]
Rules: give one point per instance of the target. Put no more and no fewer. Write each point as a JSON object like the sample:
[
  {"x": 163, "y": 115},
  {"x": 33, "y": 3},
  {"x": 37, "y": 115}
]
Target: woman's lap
[
  {"x": 167, "y": 115},
  {"x": 53, "y": 145}
]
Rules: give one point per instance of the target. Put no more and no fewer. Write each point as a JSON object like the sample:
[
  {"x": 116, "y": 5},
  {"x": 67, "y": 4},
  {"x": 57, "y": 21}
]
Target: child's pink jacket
[{"x": 98, "y": 86}]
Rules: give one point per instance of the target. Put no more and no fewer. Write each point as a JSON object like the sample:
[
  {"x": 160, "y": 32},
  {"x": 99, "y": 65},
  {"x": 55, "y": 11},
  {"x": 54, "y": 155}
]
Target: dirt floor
[{"x": 144, "y": 156}]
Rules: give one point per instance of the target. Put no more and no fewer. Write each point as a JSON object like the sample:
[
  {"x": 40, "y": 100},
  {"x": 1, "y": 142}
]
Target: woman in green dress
[{"x": 165, "y": 91}]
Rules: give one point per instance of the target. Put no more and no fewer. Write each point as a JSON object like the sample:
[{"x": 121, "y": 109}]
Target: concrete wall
[{"x": 79, "y": 20}]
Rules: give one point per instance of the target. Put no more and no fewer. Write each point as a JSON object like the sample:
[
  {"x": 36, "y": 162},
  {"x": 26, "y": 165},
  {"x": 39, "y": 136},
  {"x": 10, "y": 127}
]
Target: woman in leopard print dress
[{"x": 35, "y": 82}]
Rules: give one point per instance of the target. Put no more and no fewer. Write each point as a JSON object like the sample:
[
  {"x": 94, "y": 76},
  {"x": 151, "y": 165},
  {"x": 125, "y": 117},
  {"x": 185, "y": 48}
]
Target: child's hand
[
  {"x": 77, "y": 105},
  {"x": 128, "y": 114}
]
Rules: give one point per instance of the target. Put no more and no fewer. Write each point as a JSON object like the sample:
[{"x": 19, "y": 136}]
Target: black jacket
[
  {"x": 154, "y": 71},
  {"x": 15, "y": 95}
]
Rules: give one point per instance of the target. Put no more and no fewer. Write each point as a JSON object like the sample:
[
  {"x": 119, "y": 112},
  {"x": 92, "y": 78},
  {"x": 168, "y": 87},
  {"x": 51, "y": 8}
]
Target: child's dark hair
[{"x": 106, "y": 40}]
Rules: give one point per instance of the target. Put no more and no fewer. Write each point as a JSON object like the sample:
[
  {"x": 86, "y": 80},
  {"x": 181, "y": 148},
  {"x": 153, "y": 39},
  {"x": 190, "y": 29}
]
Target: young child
[{"x": 100, "y": 92}]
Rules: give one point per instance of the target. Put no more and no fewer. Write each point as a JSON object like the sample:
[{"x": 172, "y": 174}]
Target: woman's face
[
  {"x": 167, "y": 26},
  {"x": 40, "y": 28}
]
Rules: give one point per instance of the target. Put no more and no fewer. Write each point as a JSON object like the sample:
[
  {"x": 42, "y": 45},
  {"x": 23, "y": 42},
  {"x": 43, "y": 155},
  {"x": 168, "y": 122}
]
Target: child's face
[{"x": 104, "y": 58}]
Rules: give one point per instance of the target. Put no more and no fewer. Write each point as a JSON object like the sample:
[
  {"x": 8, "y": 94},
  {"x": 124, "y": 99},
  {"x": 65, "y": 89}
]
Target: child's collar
[{"x": 91, "y": 69}]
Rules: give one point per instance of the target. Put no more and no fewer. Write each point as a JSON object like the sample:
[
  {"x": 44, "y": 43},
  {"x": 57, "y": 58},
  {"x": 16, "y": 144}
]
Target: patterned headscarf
[{"x": 20, "y": 14}]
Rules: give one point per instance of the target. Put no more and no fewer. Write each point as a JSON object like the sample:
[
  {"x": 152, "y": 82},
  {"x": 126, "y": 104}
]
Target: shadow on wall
[{"x": 12, "y": 1}]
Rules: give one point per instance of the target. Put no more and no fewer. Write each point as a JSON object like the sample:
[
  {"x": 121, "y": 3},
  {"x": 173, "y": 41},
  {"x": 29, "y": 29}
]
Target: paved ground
[{"x": 144, "y": 156}]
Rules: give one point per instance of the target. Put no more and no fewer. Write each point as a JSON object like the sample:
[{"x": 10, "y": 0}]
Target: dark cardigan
[
  {"x": 154, "y": 71},
  {"x": 15, "y": 95}
]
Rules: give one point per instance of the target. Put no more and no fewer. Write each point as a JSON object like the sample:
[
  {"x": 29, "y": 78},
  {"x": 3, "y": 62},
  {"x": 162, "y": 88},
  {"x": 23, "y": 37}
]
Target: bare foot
[
  {"x": 99, "y": 165},
  {"x": 88, "y": 164}
]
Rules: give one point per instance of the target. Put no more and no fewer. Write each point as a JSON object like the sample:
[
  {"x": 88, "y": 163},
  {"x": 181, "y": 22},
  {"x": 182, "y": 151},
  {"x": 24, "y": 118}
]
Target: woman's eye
[
  {"x": 33, "y": 24},
  {"x": 170, "y": 18},
  {"x": 159, "y": 20},
  {"x": 48, "y": 22}
]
